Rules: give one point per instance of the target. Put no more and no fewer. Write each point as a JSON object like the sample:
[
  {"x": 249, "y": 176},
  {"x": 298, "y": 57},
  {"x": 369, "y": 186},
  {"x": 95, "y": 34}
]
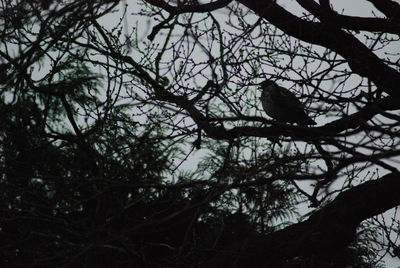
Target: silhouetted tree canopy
[{"x": 132, "y": 134}]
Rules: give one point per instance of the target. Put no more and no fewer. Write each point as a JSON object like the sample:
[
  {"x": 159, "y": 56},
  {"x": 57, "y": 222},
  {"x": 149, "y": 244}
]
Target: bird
[{"x": 282, "y": 105}]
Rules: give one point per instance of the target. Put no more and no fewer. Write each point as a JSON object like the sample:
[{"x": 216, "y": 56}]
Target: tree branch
[
  {"x": 175, "y": 10},
  {"x": 350, "y": 22},
  {"x": 390, "y": 8},
  {"x": 328, "y": 232}
]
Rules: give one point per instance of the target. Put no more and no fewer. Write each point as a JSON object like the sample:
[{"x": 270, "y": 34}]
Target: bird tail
[{"x": 306, "y": 121}]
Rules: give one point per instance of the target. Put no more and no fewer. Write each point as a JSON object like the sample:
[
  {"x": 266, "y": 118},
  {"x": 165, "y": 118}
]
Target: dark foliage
[{"x": 124, "y": 151}]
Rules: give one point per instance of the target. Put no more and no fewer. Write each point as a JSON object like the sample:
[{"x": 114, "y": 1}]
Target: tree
[{"x": 103, "y": 113}]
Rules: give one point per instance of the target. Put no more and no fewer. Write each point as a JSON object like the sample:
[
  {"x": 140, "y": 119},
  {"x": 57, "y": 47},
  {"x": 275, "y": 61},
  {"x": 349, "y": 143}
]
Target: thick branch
[
  {"x": 327, "y": 15},
  {"x": 326, "y": 234},
  {"x": 208, "y": 7},
  {"x": 390, "y": 8}
]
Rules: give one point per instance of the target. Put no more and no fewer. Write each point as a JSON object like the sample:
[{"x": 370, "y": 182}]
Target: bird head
[{"x": 266, "y": 83}]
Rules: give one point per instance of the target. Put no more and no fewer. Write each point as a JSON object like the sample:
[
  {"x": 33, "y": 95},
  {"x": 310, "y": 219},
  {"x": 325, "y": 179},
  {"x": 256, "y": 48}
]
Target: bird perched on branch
[{"x": 282, "y": 105}]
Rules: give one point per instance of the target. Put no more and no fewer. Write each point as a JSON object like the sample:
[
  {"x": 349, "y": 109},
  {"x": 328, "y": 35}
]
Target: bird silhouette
[{"x": 282, "y": 105}]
